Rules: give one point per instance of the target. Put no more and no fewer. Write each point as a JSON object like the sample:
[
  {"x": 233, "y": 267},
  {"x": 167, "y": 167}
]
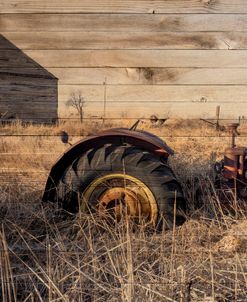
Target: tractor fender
[{"x": 137, "y": 138}]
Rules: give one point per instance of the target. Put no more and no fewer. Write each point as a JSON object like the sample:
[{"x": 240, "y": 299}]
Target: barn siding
[
  {"x": 161, "y": 57},
  {"x": 28, "y": 92}
]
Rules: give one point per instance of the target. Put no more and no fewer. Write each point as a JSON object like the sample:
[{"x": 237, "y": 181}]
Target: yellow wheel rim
[{"x": 128, "y": 196}]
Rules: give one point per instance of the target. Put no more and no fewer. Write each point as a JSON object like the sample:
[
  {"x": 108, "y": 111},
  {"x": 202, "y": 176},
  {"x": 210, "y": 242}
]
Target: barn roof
[{"x": 13, "y": 61}]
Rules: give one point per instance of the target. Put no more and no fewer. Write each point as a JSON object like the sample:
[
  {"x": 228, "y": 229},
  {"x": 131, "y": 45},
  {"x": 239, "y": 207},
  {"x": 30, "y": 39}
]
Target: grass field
[{"x": 48, "y": 255}]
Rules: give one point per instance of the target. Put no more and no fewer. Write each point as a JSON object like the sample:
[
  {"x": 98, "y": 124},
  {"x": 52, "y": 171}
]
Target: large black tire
[{"x": 149, "y": 168}]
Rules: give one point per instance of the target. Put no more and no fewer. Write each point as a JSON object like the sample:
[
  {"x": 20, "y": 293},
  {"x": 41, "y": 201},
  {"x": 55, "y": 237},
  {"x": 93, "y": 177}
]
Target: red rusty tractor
[
  {"x": 231, "y": 172},
  {"x": 126, "y": 171}
]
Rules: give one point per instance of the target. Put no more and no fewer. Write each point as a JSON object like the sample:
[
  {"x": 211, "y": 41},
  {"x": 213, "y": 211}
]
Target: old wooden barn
[
  {"x": 28, "y": 91},
  {"x": 171, "y": 58}
]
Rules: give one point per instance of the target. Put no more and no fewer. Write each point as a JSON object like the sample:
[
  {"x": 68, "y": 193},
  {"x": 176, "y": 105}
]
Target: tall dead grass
[{"x": 48, "y": 255}]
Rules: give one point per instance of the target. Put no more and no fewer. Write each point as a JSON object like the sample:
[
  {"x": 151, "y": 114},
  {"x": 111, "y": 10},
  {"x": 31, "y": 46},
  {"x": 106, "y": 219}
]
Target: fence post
[{"x": 217, "y": 118}]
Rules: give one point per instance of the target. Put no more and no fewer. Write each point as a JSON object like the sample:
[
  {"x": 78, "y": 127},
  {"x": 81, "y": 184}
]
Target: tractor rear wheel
[{"x": 123, "y": 179}]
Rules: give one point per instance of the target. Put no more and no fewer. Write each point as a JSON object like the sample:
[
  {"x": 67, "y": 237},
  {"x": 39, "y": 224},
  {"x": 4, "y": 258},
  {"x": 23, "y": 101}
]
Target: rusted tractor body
[
  {"x": 232, "y": 170},
  {"x": 116, "y": 171},
  {"x": 126, "y": 170}
]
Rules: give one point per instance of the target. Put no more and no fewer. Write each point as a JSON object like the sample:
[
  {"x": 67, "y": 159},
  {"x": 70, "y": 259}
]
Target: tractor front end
[{"x": 231, "y": 172}]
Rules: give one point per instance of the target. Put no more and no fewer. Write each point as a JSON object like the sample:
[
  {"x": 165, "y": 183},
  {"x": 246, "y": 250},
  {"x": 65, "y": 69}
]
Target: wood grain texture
[
  {"x": 126, "y": 58},
  {"x": 122, "y": 22},
  {"x": 172, "y": 101},
  {"x": 180, "y": 58},
  {"x": 36, "y": 108},
  {"x": 144, "y": 100},
  {"x": 129, "y": 76},
  {"x": 175, "y": 110},
  {"x": 151, "y": 76},
  {"x": 123, "y": 6},
  {"x": 26, "y": 96},
  {"x": 156, "y": 93},
  {"x": 26, "y": 78},
  {"x": 30, "y": 88},
  {"x": 120, "y": 40},
  {"x": 18, "y": 105}
]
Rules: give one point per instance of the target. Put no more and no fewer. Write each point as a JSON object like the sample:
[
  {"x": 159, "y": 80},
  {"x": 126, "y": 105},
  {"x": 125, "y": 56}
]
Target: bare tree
[{"x": 77, "y": 101}]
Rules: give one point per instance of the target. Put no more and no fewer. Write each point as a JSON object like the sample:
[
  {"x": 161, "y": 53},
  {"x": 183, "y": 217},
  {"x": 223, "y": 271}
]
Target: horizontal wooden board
[
  {"x": 122, "y": 22},
  {"x": 173, "y": 110},
  {"x": 126, "y": 58},
  {"x": 120, "y": 40},
  {"x": 27, "y": 78},
  {"x": 182, "y": 101},
  {"x": 18, "y": 101},
  {"x": 139, "y": 111},
  {"x": 130, "y": 76},
  {"x": 157, "y": 93},
  {"x": 143, "y": 100},
  {"x": 16, "y": 112},
  {"x": 139, "y": 93},
  {"x": 152, "y": 76},
  {"x": 29, "y": 112},
  {"x": 39, "y": 115},
  {"x": 123, "y": 6},
  {"x": 30, "y": 103},
  {"x": 29, "y": 74},
  {"x": 55, "y": 140},
  {"x": 28, "y": 89}
]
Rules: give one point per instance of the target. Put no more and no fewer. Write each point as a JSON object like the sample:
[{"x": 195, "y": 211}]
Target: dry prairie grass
[{"x": 48, "y": 255}]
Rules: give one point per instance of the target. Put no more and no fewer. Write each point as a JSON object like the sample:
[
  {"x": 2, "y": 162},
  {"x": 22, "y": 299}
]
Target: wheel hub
[{"x": 122, "y": 195}]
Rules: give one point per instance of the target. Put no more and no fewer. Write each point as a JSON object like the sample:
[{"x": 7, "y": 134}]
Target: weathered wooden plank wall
[
  {"x": 155, "y": 56},
  {"x": 29, "y": 92},
  {"x": 124, "y": 6}
]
